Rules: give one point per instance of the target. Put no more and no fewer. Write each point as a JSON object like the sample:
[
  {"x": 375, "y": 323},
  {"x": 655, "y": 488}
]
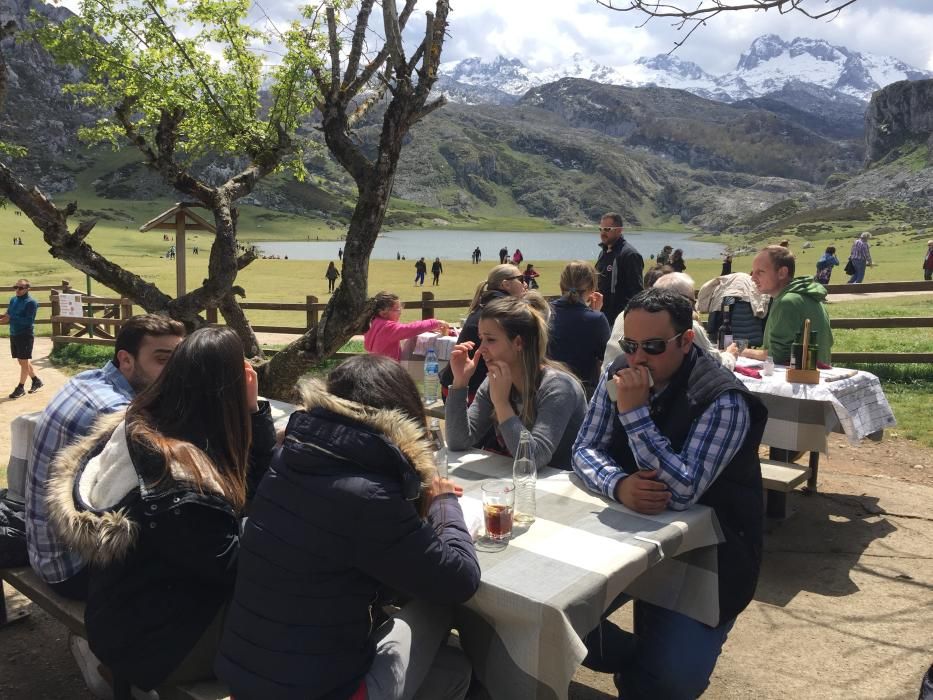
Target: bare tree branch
[
  {"x": 394, "y": 38},
  {"x": 359, "y": 39},
  {"x": 376, "y": 64},
  {"x": 333, "y": 41},
  {"x": 707, "y": 9}
]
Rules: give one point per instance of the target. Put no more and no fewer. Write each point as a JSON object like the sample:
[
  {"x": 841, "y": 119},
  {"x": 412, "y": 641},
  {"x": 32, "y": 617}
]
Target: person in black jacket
[
  {"x": 502, "y": 281},
  {"x": 351, "y": 512},
  {"x": 153, "y": 499},
  {"x": 620, "y": 267}
]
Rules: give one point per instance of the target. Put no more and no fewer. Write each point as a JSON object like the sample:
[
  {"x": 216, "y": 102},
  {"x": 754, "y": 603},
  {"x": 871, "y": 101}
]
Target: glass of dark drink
[{"x": 498, "y": 502}]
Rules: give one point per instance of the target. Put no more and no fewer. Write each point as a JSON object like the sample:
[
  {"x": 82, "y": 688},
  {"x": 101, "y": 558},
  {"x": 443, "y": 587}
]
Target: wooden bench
[
  {"x": 778, "y": 479},
  {"x": 71, "y": 614}
]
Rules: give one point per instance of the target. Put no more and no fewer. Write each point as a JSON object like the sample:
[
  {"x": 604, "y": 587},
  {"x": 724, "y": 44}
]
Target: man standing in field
[
  {"x": 620, "y": 267},
  {"x": 860, "y": 257},
  {"x": 21, "y": 315}
]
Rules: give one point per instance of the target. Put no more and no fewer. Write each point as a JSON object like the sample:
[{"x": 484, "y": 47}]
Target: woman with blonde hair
[
  {"x": 385, "y": 333},
  {"x": 502, "y": 281},
  {"x": 578, "y": 329},
  {"x": 523, "y": 389},
  {"x": 153, "y": 500}
]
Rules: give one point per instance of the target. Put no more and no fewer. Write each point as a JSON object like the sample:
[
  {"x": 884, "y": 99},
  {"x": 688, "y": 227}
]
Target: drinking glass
[
  {"x": 741, "y": 344},
  {"x": 498, "y": 504}
]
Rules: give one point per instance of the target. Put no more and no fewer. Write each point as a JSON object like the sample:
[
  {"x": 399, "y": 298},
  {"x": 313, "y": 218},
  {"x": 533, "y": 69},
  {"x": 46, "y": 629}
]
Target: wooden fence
[{"x": 100, "y": 330}]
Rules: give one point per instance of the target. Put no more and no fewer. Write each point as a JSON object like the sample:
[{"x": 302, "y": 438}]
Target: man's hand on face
[
  {"x": 632, "y": 387},
  {"x": 643, "y": 493}
]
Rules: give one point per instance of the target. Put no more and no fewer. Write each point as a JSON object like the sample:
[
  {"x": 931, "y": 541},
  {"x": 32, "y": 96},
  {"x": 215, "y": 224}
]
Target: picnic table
[{"x": 541, "y": 595}]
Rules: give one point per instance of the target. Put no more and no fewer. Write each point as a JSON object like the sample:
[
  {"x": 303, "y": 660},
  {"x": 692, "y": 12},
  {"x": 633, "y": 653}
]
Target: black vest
[{"x": 736, "y": 494}]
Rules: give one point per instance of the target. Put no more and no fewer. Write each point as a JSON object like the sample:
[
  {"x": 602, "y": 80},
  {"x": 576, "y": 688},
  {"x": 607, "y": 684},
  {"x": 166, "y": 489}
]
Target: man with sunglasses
[
  {"x": 668, "y": 427},
  {"x": 619, "y": 265},
  {"x": 21, "y": 315}
]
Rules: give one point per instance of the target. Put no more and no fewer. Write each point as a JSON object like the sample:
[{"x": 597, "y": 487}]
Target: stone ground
[{"x": 843, "y": 607}]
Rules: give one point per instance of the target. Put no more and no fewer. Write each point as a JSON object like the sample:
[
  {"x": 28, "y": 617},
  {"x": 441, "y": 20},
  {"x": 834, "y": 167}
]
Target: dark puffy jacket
[
  {"x": 329, "y": 532},
  {"x": 620, "y": 276},
  {"x": 578, "y": 337},
  {"x": 163, "y": 553}
]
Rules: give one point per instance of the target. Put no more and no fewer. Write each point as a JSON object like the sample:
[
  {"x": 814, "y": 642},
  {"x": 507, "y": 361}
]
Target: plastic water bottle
[
  {"x": 440, "y": 448},
  {"x": 431, "y": 371},
  {"x": 525, "y": 477}
]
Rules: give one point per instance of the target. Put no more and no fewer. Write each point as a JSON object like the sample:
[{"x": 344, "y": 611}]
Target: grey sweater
[{"x": 560, "y": 408}]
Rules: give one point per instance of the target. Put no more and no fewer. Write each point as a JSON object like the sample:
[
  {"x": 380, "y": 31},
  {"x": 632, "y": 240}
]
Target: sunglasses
[
  {"x": 607, "y": 229},
  {"x": 19, "y": 286},
  {"x": 655, "y": 346}
]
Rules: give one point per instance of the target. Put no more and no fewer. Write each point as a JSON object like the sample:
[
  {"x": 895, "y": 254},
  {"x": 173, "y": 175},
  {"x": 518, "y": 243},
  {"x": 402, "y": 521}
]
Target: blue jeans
[
  {"x": 669, "y": 657},
  {"x": 859, "y": 275}
]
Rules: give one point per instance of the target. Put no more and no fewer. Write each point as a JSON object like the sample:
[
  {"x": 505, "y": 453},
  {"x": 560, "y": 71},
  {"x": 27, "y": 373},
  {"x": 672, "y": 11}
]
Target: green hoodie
[{"x": 801, "y": 299}]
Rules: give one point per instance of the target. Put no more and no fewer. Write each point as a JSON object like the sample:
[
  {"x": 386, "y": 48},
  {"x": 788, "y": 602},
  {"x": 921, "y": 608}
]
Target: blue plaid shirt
[
  {"x": 69, "y": 416},
  {"x": 712, "y": 442}
]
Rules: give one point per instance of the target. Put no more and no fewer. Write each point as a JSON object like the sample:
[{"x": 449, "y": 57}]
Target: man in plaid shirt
[{"x": 860, "y": 257}]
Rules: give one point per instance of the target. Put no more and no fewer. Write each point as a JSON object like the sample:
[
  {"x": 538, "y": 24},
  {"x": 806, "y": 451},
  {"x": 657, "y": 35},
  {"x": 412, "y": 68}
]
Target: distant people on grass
[
  {"x": 825, "y": 265},
  {"x": 619, "y": 265},
  {"x": 502, "y": 281},
  {"x": 385, "y": 333},
  {"x": 398, "y": 256},
  {"x": 860, "y": 258},
  {"x": 332, "y": 274},
  {"x": 578, "y": 331},
  {"x": 677, "y": 261},
  {"x": 436, "y": 270},
  {"x": 477, "y": 256},
  {"x": 726, "y": 265},
  {"x": 421, "y": 269},
  {"x": 523, "y": 388},
  {"x": 351, "y": 518},
  {"x": 21, "y": 317},
  {"x": 530, "y": 276},
  {"x": 793, "y": 300},
  {"x": 153, "y": 501},
  {"x": 664, "y": 257},
  {"x": 503, "y": 255},
  {"x": 928, "y": 262},
  {"x": 676, "y": 429},
  {"x": 517, "y": 257}
]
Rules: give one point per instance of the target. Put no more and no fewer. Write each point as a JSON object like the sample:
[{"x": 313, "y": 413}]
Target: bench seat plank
[
  {"x": 782, "y": 476},
  {"x": 69, "y": 612}
]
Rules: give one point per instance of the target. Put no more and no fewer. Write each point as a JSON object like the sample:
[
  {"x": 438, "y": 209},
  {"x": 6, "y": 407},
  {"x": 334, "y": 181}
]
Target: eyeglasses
[
  {"x": 607, "y": 229},
  {"x": 655, "y": 346},
  {"x": 19, "y": 286}
]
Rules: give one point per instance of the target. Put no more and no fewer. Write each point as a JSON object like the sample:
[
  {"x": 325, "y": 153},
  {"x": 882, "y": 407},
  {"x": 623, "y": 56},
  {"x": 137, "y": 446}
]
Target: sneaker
[
  {"x": 90, "y": 668},
  {"x": 36, "y": 385},
  {"x": 17, "y": 392}
]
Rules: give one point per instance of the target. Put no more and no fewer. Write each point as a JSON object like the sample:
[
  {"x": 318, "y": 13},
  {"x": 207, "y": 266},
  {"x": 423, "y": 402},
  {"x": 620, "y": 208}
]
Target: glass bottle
[
  {"x": 440, "y": 447},
  {"x": 725, "y": 328},
  {"x": 525, "y": 477}
]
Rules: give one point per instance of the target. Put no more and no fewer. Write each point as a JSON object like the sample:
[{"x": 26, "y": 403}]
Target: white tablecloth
[
  {"x": 801, "y": 415},
  {"x": 549, "y": 587},
  {"x": 442, "y": 345}
]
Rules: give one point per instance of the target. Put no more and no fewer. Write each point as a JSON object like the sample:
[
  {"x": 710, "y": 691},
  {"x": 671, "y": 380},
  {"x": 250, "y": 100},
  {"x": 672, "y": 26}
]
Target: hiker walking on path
[
  {"x": 421, "y": 269},
  {"x": 825, "y": 265},
  {"x": 860, "y": 258},
  {"x": 928, "y": 262},
  {"x": 21, "y": 315},
  {"x": 332, "y": 274},
  {"x": 436, "y": 270}
]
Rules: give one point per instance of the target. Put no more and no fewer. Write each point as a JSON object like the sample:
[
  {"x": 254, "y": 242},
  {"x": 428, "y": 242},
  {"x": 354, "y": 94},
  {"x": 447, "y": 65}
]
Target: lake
[{"x": 458, "y": 245}]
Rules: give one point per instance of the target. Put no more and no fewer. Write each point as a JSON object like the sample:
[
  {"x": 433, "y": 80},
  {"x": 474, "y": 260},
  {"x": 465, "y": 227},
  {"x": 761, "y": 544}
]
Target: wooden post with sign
[{"x": 179, "y": 219}]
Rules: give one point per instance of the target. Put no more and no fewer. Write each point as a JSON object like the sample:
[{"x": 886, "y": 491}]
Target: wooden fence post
[
  {"x": 311, "y": 312},
  {"x": 427, "y": 311},
  {"x": 56, "y": 311}
]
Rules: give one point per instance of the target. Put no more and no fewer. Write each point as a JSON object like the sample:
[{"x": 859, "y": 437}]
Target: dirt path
[{"x": 843, "y": 606}]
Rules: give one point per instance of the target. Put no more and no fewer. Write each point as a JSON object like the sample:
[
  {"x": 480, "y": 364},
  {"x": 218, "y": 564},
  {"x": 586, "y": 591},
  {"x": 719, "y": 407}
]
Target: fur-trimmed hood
[
  {"x": 93, "y": 484},
  {"x": 394, "y": 425}
]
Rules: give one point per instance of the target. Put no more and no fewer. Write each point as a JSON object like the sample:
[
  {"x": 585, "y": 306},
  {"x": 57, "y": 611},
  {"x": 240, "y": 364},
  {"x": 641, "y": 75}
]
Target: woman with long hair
[
  {"x": 523, "y": 389},
  {"x": 153, "y": 500},
  {"x": 351, "y": 513},
  {"x": 332, "y": 274},
  {"x": 578, "y": 330},
  {"x": 677, "y": 260},
  {"x": 384, "y": 334},
  {"x": 502, "y": 281}
]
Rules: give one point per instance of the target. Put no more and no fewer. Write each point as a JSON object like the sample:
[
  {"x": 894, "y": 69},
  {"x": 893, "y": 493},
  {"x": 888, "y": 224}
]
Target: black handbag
[{"x": 849, "y": 269}]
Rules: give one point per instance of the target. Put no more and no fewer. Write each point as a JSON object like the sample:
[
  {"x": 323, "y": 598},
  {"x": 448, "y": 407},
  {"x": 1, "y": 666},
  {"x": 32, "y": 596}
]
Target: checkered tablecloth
[
  {"x": 800, "y": 416},
  {"x": 442, "y": 345},
  {"x": 547, "y": 589}
]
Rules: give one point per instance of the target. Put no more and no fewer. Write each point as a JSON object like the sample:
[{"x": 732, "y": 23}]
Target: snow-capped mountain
[{"x": 766, "y": 67}]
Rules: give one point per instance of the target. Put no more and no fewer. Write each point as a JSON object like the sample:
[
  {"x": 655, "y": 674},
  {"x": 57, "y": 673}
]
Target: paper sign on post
[{"x": 70, "y": 305}]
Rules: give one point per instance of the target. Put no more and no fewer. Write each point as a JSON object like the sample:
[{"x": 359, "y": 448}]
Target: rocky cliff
[{"x": 899, "y": 115}]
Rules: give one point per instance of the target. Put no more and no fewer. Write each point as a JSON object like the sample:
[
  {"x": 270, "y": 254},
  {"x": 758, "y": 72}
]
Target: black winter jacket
[
  {"x": 329, "y": 532},
  {"x": 620, "y": 276},
  {"x": 162, "y": 554}
]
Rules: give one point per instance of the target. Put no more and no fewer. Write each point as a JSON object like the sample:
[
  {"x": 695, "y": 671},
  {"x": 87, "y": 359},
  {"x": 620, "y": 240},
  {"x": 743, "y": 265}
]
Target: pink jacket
[{"x": 384, "y": 336}]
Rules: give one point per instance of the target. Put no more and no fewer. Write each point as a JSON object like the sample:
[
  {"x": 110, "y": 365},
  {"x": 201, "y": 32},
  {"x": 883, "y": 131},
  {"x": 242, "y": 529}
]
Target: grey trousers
[{"x": 413, "y": 660}]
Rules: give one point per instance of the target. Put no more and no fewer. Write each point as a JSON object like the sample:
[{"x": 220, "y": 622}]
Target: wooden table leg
[{"x": 814, "y": 468}]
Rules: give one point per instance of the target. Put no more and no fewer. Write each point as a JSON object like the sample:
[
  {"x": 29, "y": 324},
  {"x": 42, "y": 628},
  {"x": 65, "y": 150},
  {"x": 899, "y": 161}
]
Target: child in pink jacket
[{"x": 385, "y": 333}]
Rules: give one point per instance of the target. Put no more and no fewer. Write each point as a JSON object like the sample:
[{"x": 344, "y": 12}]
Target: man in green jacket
[{"x": 793, "y": 301}]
